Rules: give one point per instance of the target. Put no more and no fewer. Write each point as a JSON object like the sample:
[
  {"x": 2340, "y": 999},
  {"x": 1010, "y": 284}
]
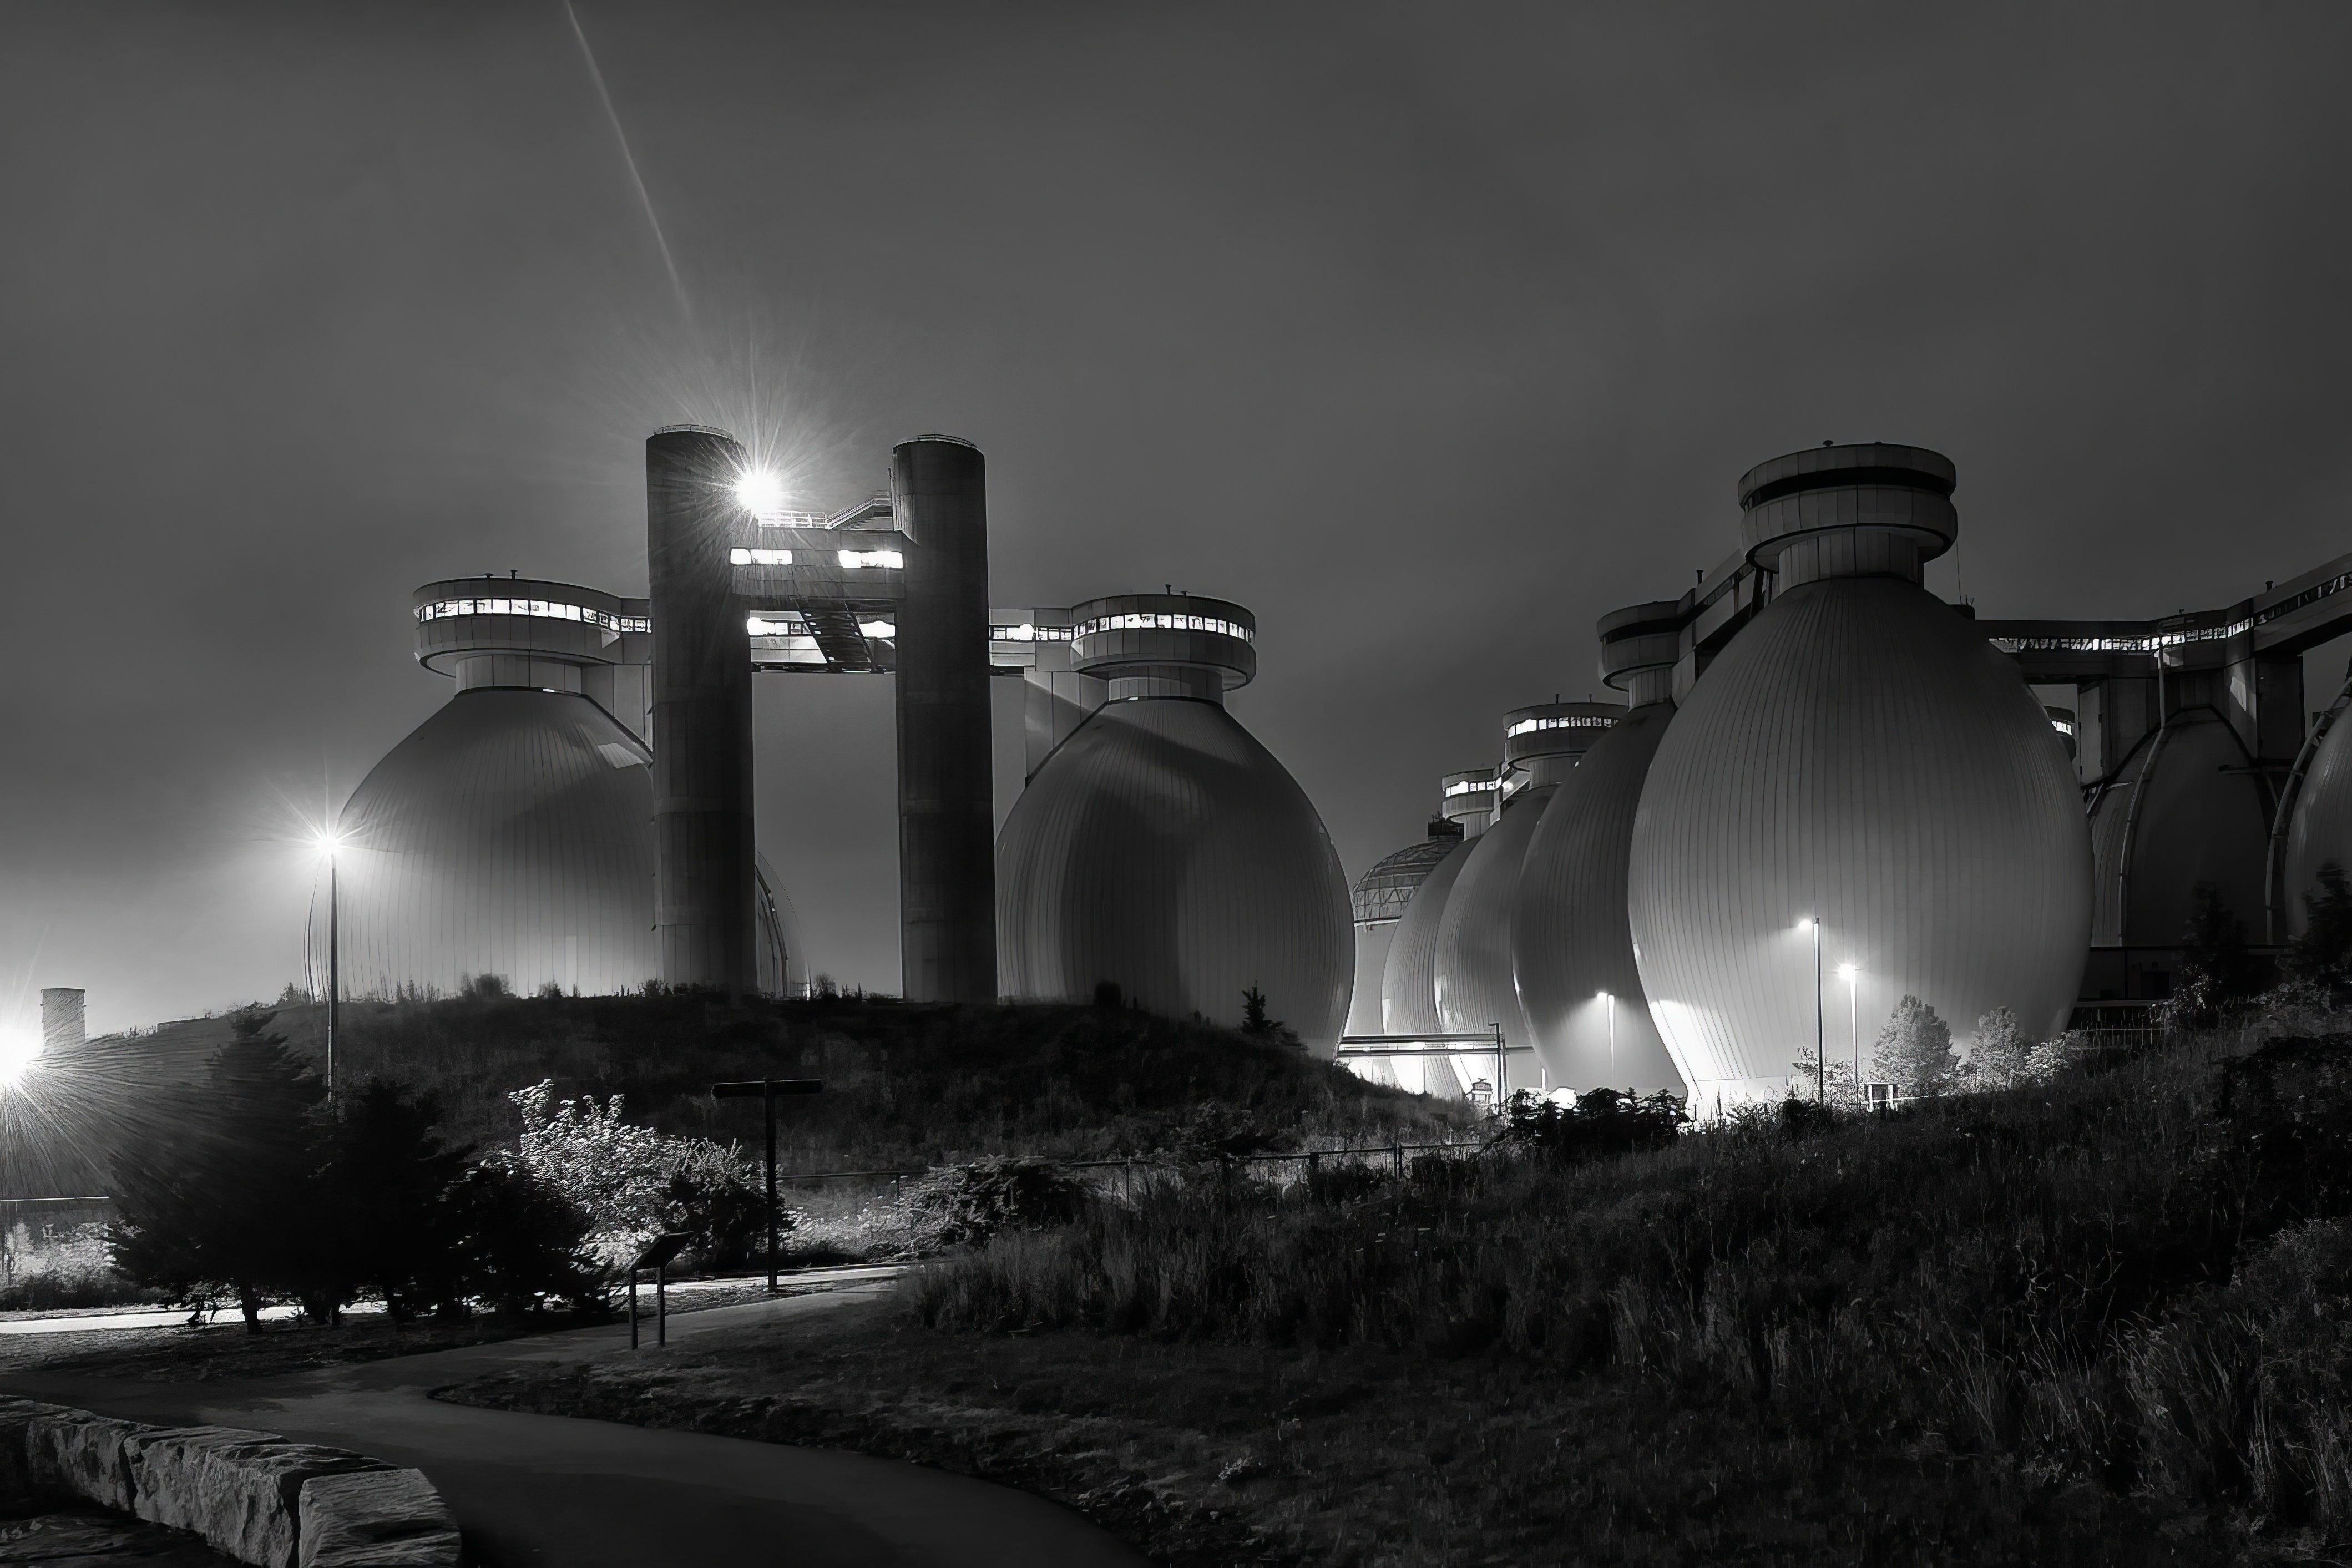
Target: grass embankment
[{"x": 2102, "y": 1320}]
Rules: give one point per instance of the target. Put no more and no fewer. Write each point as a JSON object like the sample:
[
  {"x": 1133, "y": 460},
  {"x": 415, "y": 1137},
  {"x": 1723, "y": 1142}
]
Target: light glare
[
  {"x": 19, "y": 1049},
  {"x": 761, "y": 492},
  {"x": 1846, "y": 971}
]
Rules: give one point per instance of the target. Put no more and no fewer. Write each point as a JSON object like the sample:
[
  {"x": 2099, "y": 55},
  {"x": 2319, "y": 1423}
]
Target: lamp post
[
  {"x": 1609, "y": 1000},
  {"x": 330, "y": 843},
  {"x": 1852, "y": 978},
  {"x": 1820, "y": 1049},
  {"x": 767, "y": 1089}
]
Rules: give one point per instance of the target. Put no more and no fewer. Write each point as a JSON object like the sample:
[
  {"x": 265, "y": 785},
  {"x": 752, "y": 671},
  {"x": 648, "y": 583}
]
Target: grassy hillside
[{"x": 906, "y": 1085}]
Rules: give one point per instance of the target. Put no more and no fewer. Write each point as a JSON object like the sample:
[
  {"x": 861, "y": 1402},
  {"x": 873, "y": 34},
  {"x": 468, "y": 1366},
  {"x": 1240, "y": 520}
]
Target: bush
[
  {"x": 1915, "y": 1049},
  {"x": 635, "y": 1184},
  {"x": 1600, "y": 1122},
  {"x": 961, "y": 1204},
  {"x": 521, "y": 1245}
]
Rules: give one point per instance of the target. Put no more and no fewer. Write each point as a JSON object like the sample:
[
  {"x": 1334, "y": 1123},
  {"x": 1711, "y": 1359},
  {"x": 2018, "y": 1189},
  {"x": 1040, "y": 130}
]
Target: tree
[
  {"x": 1253, "y": 1019},
  {"x": 2000, "y": 1056},
  {"x": 633, "y": 1183},
  {"x": 520, "y": 1243},
  {"x": 2213, "y": 969},
  {"x": 386, "y": 1185},
  {"x": 2324, "y": 951},
  {"x": 1914, "y": 1050},
  {"x": 227, "y": 1201},
  {"x": 1810, "y": 1078}
]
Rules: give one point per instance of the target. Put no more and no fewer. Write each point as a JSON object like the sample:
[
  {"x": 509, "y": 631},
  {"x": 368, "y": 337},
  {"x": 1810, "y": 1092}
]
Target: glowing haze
[{"x": 1429, "y": 334}]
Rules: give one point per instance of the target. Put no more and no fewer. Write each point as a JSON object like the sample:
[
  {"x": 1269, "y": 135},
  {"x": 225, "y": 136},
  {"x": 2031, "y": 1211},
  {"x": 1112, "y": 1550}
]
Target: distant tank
[
  {"x": 1380, "y": 896},
  {"x": 1857, "y": 755},
  {"x": 1409, "y": 977},
  {"x": 1572, "y": 950},
  {"x": 1474, "y": 986},
  {"x": 511, "y": 834},
  {"x": 2319, "y": 825},
  {"x": 1162, "y": 850},
  {"x": 2186, "y": 809}
]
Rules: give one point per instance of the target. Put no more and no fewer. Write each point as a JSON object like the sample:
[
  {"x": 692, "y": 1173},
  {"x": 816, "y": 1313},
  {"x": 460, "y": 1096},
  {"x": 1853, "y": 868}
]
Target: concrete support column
[
  {"x": 705, "y": 881},
  {"x": 947, "y": 810}
]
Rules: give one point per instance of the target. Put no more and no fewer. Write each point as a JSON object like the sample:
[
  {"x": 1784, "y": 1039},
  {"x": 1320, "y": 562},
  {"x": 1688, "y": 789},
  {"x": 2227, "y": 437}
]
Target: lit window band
[
  {"x": 784, "y": 626},
  {"x": 1564, "y": 722},
  {"x": 1472, "y": 786},
  {"x": 1165, "y": 622},
  {"x": 538, "y": 609},
  {"x": 892, "y": 560},
  {"x": 759, "y": 558},
  {"x": 1027, "y": 632}
]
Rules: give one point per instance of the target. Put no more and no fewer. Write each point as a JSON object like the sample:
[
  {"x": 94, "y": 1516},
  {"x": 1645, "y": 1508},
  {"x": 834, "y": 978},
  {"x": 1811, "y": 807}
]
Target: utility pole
[{"x": 1820, "y": 1047}]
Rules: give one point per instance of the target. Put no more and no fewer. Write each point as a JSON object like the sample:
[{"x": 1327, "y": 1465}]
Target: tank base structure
[
  {"x": 1859, "y": 784},
  {"x": 1161, "y": 854}
]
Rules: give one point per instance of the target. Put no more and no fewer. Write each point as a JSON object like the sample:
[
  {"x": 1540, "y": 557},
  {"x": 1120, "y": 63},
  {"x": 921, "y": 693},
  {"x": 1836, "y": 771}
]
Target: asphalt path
[{"x": 532, "y": 1489}]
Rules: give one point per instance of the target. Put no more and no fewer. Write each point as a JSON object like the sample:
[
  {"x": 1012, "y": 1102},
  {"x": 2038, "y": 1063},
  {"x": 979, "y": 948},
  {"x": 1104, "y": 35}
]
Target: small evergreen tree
[
  {"x": 229, "y": 1202},
  {"x": 1999, "y": 1058},
  {"x": 519, "y": 1244},
  {"x": 2324, "y": 951},
  {"x": 1914, "y": 1050},
  {"x": 2214, "y": 970},
  {"x": 1253, "y": 1019},
  {"x": 386, "y": 1187}
]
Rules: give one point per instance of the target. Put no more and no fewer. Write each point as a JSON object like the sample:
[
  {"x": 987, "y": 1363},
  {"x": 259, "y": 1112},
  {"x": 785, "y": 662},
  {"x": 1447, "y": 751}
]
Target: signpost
[
  {"x": 767, "y": 1089},
  {"x": 657, "y": 1256}
]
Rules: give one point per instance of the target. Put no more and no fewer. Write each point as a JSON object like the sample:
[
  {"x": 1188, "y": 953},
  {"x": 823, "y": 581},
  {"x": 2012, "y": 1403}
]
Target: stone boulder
[
  {"x": 376, "y": 1519},
  {"x": 16, "y": 1469},
  {"x": 76, "y": 1454},
  {"x": 240, "y": 1490}
]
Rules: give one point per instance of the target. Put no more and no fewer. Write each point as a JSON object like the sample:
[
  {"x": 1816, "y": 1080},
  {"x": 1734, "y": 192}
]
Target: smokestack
[
  {"x": 61, "y": 1011},
  {"x": 947, "y": 810},
  {"x": 705, "y": 877}
]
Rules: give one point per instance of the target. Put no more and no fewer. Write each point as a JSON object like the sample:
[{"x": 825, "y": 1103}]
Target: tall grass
[{"x": 2137, "y": 1280}]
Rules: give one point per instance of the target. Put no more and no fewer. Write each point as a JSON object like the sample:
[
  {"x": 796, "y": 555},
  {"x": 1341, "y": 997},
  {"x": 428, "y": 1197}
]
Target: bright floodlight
[
  {"x": 1846, "y": 971},
  {"x": 760, "y": 491},
  {"x": 19, "y": 1049},
  {"x": 327, "y": 841}
]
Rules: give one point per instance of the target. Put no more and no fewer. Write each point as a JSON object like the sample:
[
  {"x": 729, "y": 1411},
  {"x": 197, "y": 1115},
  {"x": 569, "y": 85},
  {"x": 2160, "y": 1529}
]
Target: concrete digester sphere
[
  {"x": 1161, "y": 849},
  {"x": 1572, "y": 950},
  {"x": 2319, "y": 830},
  {"x": 1472, "y": 978},
  {"x": 2187, "y": 809},
  {"x": 1858, "y": 755},
  {"x": 1379, "y": 897}
]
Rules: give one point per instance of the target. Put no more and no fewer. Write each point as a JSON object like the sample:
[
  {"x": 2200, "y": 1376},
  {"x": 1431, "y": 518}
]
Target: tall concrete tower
[
  {"x": 947, "y": 807},
  {"x": 705, "y": 877}
]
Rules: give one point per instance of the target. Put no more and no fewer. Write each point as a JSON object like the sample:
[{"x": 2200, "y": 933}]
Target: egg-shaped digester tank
[
  {"x": 1857, "y": 755},
  {"x": 1571, "y": 949},
  {"x": 1380, "y": 897},
  {"x": 1162, "y": 849},
  {"x": 509, "y": 835},
  {"x": 1475, "y": 986},
  {"x": 2186, "y": 809},
  {"x": 2319, "y": 821}
]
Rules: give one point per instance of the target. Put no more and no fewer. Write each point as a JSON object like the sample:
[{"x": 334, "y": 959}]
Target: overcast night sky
[{"x": 1431, "y": 333}]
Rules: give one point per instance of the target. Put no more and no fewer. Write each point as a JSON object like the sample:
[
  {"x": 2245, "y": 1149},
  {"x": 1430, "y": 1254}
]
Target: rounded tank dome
[
  {"x": 1475, "y": 986},
  {"x": 2320, "y": 830},
  {"x": 1857, "y": 755},
  {"x": 1409, "y": 979},
  {"x": 509, "y": 835},
  {"x": 1379, "y": 897},
  {"x": 1571, "y": 950},
  {"x": 1162, "y": 849},
  {"x": 2185, "y": 809}
]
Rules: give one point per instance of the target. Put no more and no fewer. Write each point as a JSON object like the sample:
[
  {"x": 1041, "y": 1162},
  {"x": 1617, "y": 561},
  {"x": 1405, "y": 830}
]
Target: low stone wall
[{"x": 252, "y": 1495}]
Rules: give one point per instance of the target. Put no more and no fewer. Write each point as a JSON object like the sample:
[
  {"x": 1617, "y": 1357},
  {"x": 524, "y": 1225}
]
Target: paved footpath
[{"x": 567, "y": 1493}]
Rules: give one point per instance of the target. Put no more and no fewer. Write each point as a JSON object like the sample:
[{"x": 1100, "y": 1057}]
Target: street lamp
[
  {"x": 330, "y": 842},
  {"x": 1611, "y": 1003},
  {"x": 767, "y": 1089},
  {"x": 1852, "y": 978},
  {"x": 1820, "y": 1061}
]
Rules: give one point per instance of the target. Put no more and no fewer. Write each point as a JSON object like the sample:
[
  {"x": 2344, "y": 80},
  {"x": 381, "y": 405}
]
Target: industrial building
[
  {"x": 1161, "y": 856},
  {"x": 579, "y": 813},
  {"x": 1858, "y": 780}
]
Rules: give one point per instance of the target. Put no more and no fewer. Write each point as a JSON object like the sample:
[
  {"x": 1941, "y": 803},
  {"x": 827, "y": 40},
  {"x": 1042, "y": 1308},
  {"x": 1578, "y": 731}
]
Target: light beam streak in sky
[{"x": 644, "y": 198}]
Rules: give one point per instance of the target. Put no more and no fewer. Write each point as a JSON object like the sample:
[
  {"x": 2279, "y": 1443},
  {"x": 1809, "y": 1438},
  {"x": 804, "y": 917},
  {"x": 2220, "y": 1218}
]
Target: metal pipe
[
  {"x": 705, "y": 877},
  {"x": 947, "y": 802}
]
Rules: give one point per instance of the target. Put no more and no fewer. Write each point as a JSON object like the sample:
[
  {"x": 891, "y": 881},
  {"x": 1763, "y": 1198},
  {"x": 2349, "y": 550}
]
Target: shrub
[
  {"x": 961, "y": 1204},
  {"x": 1915, "y": 1049},
  {"x": 2000, "y": 1056},
  {"x": 635, "y": 1184},
  {"x": 519, "y": 1244},
  {"x": 1600, "y": 1122},
  {"x": 2214, "y": 970}
]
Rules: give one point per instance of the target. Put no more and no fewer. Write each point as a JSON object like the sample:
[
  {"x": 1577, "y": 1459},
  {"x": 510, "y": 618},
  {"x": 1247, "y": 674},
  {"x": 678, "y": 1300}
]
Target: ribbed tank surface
[
  {"x": 1860, "y": 755},
  {"x": 511, "y": 833},
  {"x": 1409, "y": 978},
  {"x": 1473, "y": 973},
  {"x": 2320, "y": 829},
  {"x": 1572, "y": 950},
  {"x": 2186, "y": 809},
  {"x": 1163, "y": 849}
]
